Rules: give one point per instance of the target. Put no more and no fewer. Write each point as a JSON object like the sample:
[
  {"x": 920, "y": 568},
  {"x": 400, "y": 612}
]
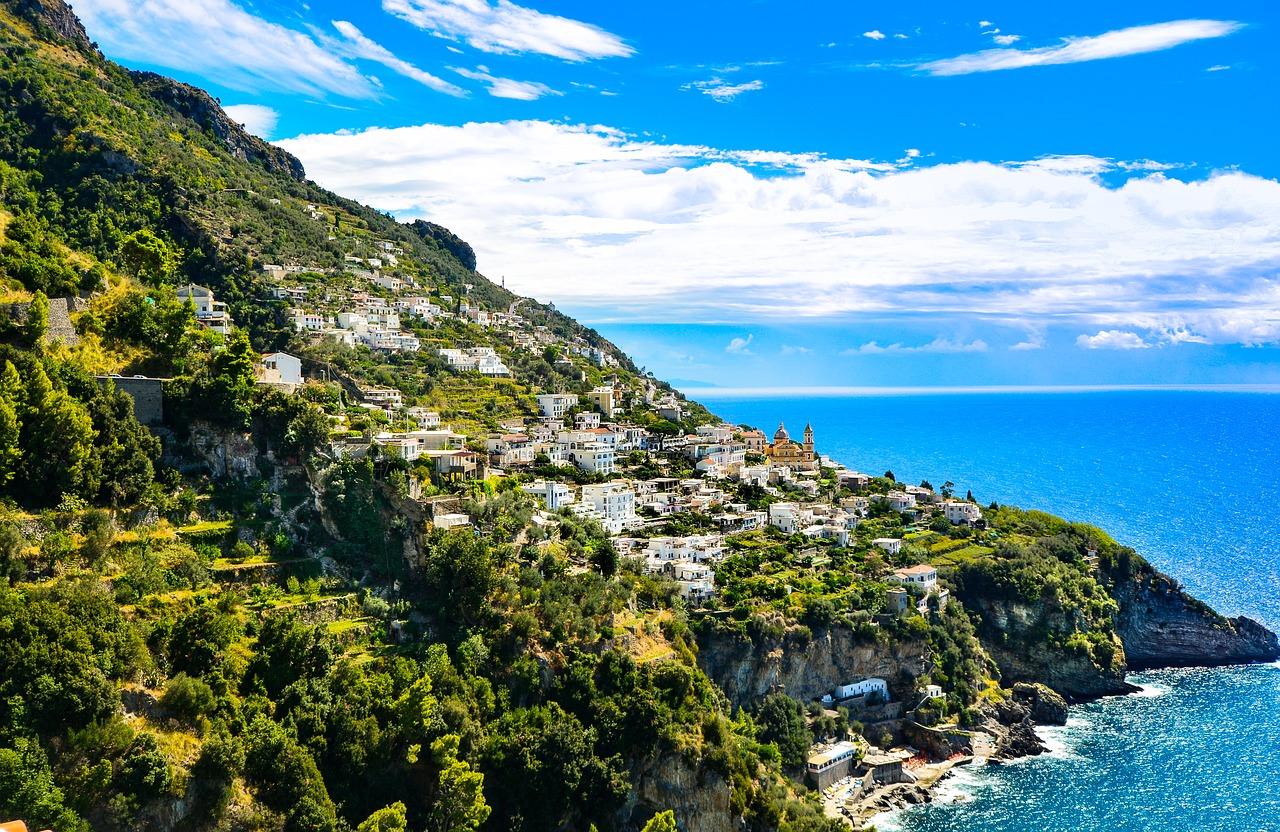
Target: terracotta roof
[{"x": 918, "y": 569}]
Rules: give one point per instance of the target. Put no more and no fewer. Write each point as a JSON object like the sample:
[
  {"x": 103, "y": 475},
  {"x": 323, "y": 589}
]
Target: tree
[
  {"x": 147, "y": 257},
  {"x": 145, "y": 773},
  {"x": 459, "y": 802},
  {"x": 187, "y": 697},
  {"x": 604, "y": 557},
  {"x": 459, "y": 569},
  {"x": 56, "y": 438},
  {"x": 889, "y": 476},
  {"x": 661, "y": 822},
  {"x": 27, "y": 789},
  {"x": 948, "y": 490},
  {"x": 388, "y": 819},
  {"x": 781, "y": 722},
  {"x": 11, "y": 403},
  {"x": 38, "y": 318}
]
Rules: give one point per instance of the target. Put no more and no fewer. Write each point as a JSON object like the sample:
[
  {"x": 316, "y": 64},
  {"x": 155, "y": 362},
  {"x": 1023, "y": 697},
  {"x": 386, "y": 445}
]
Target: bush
[{"x": 188, "y": 697}]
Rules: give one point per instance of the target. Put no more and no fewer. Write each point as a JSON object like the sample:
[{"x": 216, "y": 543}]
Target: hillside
[{"x": 306, "y": 524}]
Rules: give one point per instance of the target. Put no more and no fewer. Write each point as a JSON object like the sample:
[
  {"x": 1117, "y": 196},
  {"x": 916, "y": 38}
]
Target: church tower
[{"x": 808, "y": 438}]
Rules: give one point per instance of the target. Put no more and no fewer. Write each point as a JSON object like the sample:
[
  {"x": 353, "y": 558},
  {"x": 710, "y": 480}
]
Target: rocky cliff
[
  {"x": 1162, "y": 626},
  {"x": 1027, "y": 642},
  {"x": 805, "y": 668},
  {"x": 699, "y": 796}
]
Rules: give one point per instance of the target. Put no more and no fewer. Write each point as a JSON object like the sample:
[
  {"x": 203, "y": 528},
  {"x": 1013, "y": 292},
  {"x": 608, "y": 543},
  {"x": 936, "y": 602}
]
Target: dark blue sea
[{"x": 1192, "y": 481}]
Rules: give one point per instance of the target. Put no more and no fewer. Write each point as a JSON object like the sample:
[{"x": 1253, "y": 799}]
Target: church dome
[{"x": 781, "y": 435}]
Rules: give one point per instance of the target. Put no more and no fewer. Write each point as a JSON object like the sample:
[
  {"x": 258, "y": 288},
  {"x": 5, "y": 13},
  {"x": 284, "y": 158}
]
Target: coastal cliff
[
  {"x": 805, "y": 666},
  {"x": 1163, "y": 626}
]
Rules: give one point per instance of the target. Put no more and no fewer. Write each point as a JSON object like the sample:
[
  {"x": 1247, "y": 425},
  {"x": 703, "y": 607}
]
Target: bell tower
[{"x": 808, "y": 438}]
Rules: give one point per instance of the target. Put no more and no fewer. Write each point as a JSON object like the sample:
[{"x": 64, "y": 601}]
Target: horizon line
[{"x": 695, "y": 392}]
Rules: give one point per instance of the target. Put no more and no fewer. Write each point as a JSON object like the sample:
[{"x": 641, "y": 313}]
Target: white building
[
  {"x": 892, "y": 545},
  {"x": 959, "y": 512},
  {"x": 922, "y": 575},
  {"x": 788, "y": 518},
  {"x": 865, "y": 689},
  {"x": 308, "y": 322},
  {"x": 592, "y": 457},
  {"x": 555, "y": 405},
  {"x": 615, "y": 504},
  {"x": 280, "y": 368},
  {"x": 210, "y": 313},
  {"x": 555, "y": 495}
]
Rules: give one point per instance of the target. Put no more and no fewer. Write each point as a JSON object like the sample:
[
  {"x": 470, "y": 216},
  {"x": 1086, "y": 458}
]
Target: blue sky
[{"x": 819, "y": 193}]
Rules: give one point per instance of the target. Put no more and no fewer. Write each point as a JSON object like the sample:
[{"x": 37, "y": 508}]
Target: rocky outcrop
[
  {"x": 698, "y": 795},
  {"x": 1044, "y": 704},
  {"x": 1026, "y": 642},
  {"x": 58, "y": 18},
  {"x": 802, "y": 667},
  {"x": 199, "y": 106},
  {"x": 1162, "y": 626},
  {"x": 447, "y": 240},
  {"x": 227, "y": 453}
]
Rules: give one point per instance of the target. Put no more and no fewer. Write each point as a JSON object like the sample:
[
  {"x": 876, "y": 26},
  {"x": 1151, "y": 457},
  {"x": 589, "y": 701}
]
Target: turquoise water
[{"x": 1189, "y": 479}]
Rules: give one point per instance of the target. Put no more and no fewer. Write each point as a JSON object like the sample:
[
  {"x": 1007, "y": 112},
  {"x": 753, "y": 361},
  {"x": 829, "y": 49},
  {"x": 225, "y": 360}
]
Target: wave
[{"x": 1151, "y": 690}]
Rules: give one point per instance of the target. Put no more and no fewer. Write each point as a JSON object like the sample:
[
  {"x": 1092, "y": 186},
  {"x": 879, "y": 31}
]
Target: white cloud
[
  {"x": 1132, "y": 41},
  {"x": 506, "y": 87},
  {"x": 721, "y": 90},
  {"x": 503, "y": 27},
  {"x": 590, "y": 216},
  {"x": 738, "y": 346},
  {"x": 900, "y": 36},
  {"x": 1112, "y": 339},
  {"x": 1035, "y": 341},
  {"x": 219, "y": 39},
  {"x": 984, "y": 23},
  {"x": 1218, "y": 67},
  {"x": 258, "y": 119},
  {"x": 937, "y": 345},
  {"x": 874, "y": 34},
  {"x": 788, "y": 349},
  {"x": 359, "y": 46},
  {"x": 1005, "y": 40}
]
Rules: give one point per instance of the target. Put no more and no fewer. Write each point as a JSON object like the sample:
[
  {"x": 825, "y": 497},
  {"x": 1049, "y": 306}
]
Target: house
[
  {"x": 451, "y": 521},
  {"x": 696, "y": 580},
  {"x": 555, "y": 495},
  {"x": 830, "y": 764},
  {"x": 922, "y": 575},
  {"x": 899, "y": 601},
  {"x": 592, "y": 457},
  {"x": 868, "y": 691},
  {"x": 308, "y": 321},
  {"x": 510, "y": 449},
  {"x": 615, "y": 504},
  {"x": 755, "y": 441},
  {"x": 892, "y": 545},
  {"x": 788, "y": 518},
  {"x": 884, "y": 769},
  {"x": 959, "y": 512},
  {"x": 853, "y": 480},
  {"x": 586, "y": 421},
  {"x": 555, "y": 405},
  {"x": 386, "y": 397},
  {"x": 210, "y": 313},
  {"x": 603, "y": 399},
  {"x": 280, "y": 368},
  {"x": 426, "y": 419}
]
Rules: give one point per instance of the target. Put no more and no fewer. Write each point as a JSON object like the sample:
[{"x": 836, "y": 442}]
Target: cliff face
[
  {"x": 1015, "y": 634},
  {"x": 1161, "y": 626},
  {"x": 199, "y": 106},
  {"x": 747, "y": 671},
  {"x": 699, "y": 796}
]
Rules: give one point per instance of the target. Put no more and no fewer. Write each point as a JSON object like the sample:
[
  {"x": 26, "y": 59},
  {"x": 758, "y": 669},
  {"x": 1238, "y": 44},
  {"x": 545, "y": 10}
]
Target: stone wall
[{"x": 147, "y": 395}]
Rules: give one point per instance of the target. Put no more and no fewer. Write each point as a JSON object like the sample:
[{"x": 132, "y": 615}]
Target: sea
[{"x": 1191, "y": 480}]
